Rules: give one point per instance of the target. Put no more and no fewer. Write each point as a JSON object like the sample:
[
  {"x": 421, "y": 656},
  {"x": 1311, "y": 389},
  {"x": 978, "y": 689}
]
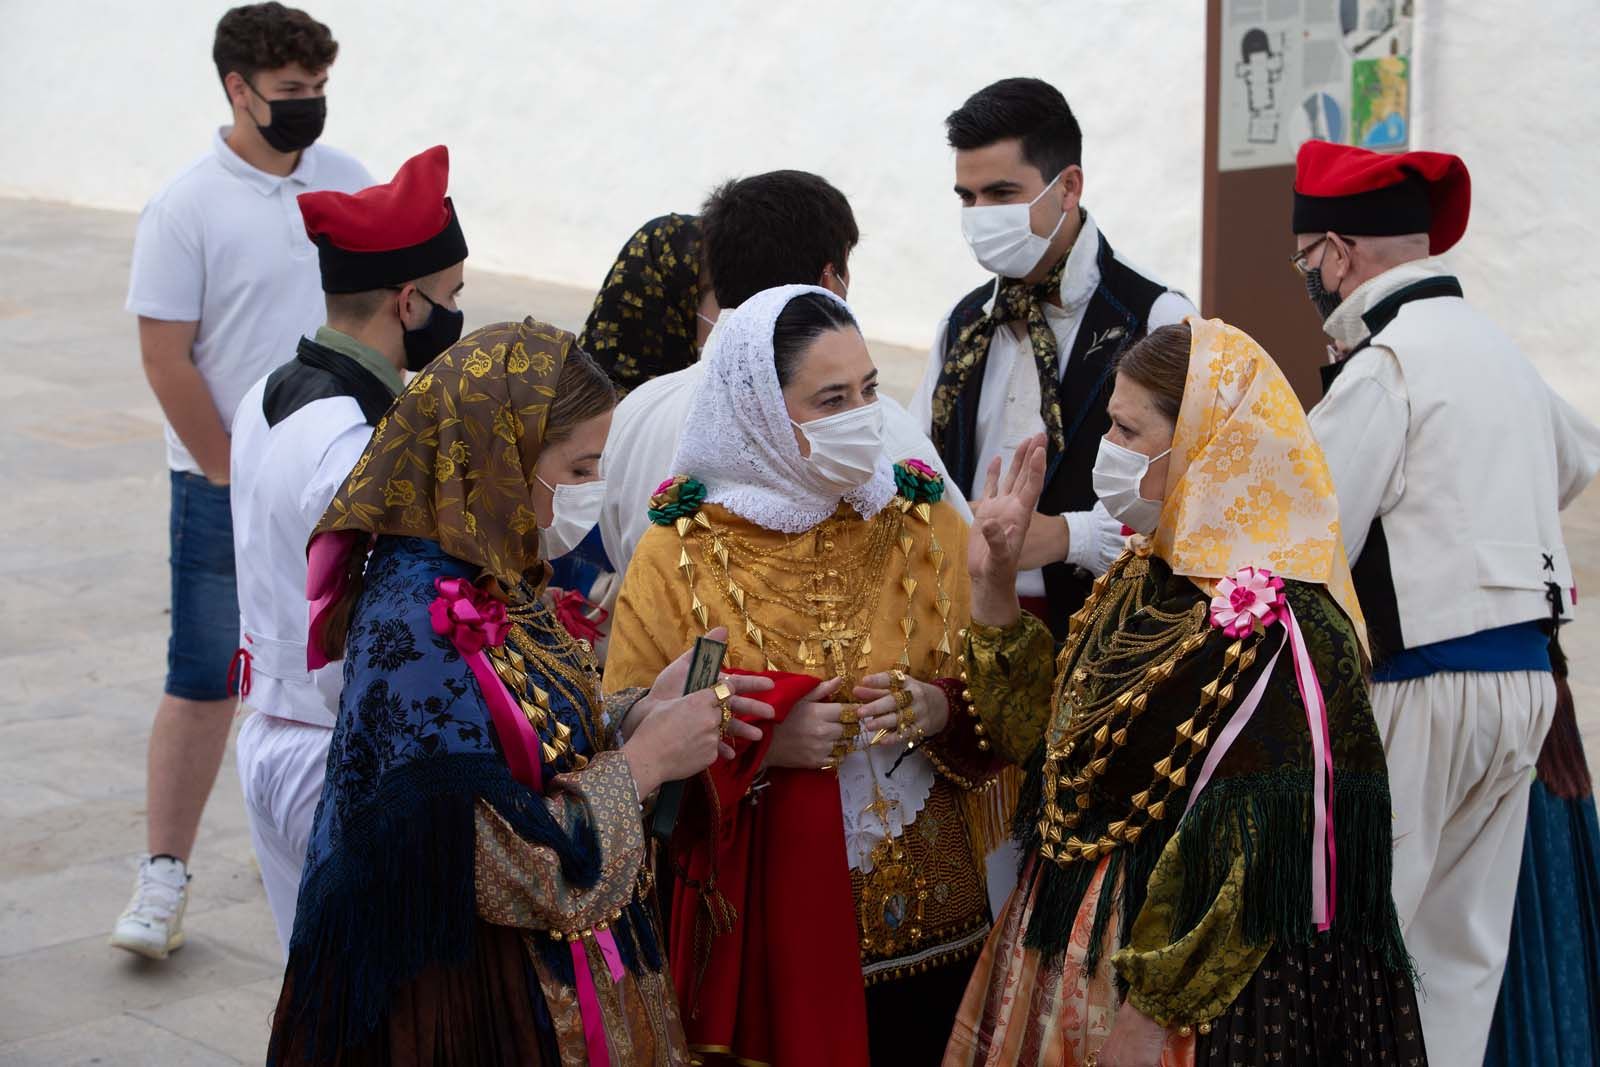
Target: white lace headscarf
[{"x": 737, "y": 440}]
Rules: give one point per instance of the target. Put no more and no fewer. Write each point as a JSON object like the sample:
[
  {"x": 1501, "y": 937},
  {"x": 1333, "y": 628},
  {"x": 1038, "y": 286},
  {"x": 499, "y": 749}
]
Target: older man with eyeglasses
[{"x": 1452, "y": 459}]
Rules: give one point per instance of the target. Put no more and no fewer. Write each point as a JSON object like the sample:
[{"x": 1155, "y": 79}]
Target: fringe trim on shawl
[
  {"x": 1271, "y": 814},
  {"x": 1277, "y": 890},
  {"x": 400, "y": 895},
  {"x": 988, "y": 813},
  {"x": 1060, "y": 890}
]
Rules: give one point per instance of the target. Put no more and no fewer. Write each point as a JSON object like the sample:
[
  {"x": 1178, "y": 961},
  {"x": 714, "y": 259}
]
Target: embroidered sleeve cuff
[
  {"x": 616, "y": 708},
  {"x": 1010, "y": 672},
  {"x": 522, "y": 884},
  {"x": 962, "y": 752}
]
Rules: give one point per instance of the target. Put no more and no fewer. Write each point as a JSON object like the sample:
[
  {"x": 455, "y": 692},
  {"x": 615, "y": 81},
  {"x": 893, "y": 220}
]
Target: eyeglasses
[{"x": 1298, "y": 260}]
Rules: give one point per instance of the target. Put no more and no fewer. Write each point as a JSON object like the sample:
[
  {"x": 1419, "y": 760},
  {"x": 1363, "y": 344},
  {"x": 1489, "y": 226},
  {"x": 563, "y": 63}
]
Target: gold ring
[
  {"x": 902, "y": 699},
  {"x": 723, "y": 695}
]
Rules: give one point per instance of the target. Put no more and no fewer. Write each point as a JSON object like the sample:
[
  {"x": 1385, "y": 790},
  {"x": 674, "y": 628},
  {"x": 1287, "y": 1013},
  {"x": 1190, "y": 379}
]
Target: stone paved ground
[{"x": 82, "y": 637}]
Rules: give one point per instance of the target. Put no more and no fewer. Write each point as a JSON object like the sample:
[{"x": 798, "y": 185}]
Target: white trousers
[
  {"x": 1461, "y": 748},
  {"x": 282, "y": 765}
]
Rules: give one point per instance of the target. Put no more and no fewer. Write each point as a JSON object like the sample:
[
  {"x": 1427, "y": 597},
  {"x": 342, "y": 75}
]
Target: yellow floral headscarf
[
  {"x": 453, "y": 460},
  {"x": 1247, "y": 483}
]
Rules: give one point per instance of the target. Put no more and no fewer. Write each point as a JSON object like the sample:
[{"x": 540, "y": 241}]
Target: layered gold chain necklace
[
  {"x": 1105, "y": 678},
  {"x": 540, "y": 653},
  {"x": 837, "y": 588}
]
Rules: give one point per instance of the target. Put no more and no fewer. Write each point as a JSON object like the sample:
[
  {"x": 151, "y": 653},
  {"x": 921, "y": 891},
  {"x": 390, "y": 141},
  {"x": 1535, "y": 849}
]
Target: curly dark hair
[{"x": 259, "y": 37}]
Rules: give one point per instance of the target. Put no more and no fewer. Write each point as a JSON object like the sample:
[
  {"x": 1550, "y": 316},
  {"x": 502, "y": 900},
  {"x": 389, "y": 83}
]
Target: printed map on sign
[{"x": 1293, "y": 70}]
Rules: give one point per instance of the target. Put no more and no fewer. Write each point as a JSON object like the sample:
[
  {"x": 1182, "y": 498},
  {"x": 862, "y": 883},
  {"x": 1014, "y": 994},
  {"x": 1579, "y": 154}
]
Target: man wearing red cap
[
  {"x": 223, "y": 281},
  {"x": 391, "y": 259},
  {"x": 1451, "y": 523}
]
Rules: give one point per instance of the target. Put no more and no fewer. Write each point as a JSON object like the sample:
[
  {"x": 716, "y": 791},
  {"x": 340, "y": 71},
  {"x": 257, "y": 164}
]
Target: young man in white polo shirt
[{"x": 224, "y": 282}]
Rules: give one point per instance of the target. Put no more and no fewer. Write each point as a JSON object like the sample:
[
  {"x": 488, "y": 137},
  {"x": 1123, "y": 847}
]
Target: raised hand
[{"x": 1000, "y": 521}]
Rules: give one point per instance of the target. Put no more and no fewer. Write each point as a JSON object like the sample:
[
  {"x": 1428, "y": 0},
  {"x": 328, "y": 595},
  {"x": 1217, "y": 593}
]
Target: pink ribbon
[
  {"x": 326, "y": 582},
  {"x": 594, "y": 1024},
  {"x": 474, "y": 621},
  {"x": 1324, "y": 883},
  {"x": 1323, "y": 857}
]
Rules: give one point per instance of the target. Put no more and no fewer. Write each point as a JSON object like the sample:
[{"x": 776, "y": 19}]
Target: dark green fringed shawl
[{"x": 1265, "y": 782}]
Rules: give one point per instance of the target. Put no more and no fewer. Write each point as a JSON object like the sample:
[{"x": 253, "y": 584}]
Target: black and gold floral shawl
[{"x": 643, "y": 322}]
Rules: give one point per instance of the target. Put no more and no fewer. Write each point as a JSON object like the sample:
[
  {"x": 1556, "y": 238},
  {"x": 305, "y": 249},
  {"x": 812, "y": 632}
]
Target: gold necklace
[
  {"x": 843, "y": 612},
  {"x": 1098, "y": 699},
  {"x": 561, "y": 662}
]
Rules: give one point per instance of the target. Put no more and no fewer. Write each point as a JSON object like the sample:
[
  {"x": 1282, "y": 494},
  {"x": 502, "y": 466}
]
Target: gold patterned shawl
[
  {"x": 1247, "y": 483},
  {"x": 453, "y": 459}
]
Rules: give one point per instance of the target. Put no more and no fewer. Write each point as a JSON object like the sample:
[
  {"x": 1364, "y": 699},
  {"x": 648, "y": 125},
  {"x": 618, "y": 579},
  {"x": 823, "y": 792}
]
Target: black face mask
[
  {"x": 441, "y": 330},
  {"x": 296, "y": 124},
  {"x": 1326, "y": 302}
]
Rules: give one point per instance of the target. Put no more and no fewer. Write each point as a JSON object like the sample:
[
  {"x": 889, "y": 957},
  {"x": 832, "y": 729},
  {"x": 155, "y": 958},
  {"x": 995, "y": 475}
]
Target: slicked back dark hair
[
  {"x": 260, "y": 37},
  {"x": 779, "y": 228},
  {"x": 1032, "y": 111},
  {"x": 806, "y": 318}
]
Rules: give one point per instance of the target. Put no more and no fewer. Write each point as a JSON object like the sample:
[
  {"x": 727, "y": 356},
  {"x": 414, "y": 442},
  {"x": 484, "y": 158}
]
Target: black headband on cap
[
  {"x": 1404, "y": 207},
  {"x": 344, "y": 271}
]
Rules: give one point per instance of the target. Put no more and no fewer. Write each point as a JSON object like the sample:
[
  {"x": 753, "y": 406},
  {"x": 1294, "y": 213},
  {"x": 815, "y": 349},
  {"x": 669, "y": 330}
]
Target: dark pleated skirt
[
  {"x": 1321, "y": 1004},
  {"x": 487, "y": 1012},
  {"x": 1549, "y": 1010}
]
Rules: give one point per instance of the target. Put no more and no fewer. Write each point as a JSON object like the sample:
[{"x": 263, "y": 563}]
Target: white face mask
[
  {"x": 575, "y": 511},
  {"x": 1117, "y": 474},
  {"x": 845, "y": 448},
  {"x": 1002, "y": 239}
]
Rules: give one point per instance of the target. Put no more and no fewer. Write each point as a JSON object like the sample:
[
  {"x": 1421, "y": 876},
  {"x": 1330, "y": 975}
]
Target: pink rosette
[
  {"x": 473, "y": 621},
  {"x": 471, "y": 618},
  {"x": 1250, "y": 600}
]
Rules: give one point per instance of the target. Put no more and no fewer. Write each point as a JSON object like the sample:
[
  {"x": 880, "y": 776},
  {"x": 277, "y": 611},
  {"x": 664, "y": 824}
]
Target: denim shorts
[{"x": 205, "y": 601}]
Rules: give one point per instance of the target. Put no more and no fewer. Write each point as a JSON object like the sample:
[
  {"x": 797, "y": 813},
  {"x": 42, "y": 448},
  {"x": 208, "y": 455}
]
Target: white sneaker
[{"x": 153, "y": 924}]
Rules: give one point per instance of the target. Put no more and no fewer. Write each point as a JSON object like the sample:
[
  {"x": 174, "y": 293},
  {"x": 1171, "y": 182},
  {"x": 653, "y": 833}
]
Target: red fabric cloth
[
  {"x": 382, "y": 218},
  {"x": 783, "y": 987},
  {"x": 1325, "y": 169}
]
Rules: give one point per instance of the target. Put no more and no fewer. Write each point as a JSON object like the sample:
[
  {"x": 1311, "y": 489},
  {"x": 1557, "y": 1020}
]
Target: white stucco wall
[{"x": 570, "y": 124}]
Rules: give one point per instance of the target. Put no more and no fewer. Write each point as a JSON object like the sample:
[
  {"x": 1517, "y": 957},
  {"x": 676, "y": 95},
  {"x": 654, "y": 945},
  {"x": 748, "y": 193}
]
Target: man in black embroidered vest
[
  {"x": 391, "y": 258},
  {"x": 1030, "y": 351},
  {"x": 1451, "y": 458}
]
